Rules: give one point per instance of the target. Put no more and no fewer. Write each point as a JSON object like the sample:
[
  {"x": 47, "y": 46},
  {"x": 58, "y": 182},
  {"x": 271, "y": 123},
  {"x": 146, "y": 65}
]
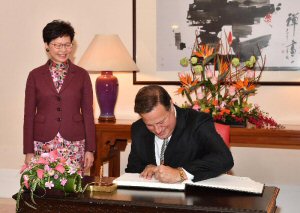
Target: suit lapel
[
  {"x": 150, "y": 148},
  {"x": 48, "y": 78},
  {"x": 69, "y": 77}
]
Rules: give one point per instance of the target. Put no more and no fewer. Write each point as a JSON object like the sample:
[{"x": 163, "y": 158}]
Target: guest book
[{"x": 224, "y": 181}]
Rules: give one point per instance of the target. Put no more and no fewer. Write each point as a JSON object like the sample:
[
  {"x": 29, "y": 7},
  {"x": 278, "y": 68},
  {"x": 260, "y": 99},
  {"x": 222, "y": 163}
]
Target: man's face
[{"x": 160, "y": 121}]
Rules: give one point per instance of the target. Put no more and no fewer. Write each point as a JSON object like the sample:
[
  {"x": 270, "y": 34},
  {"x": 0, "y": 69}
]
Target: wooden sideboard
[{"x": 112, "y": 139}]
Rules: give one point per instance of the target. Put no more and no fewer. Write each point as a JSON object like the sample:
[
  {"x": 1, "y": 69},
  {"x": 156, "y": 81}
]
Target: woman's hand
[
  {"x": 28, "y": 158},
  {"x": 88, "y": 160}
]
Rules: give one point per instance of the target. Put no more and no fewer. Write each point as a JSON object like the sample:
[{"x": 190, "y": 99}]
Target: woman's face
[{"x": 60, "y": 49}]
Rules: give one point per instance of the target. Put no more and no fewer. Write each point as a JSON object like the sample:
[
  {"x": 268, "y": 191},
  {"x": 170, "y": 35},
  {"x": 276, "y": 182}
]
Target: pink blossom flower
[
  {"x": 42, "y": 161},
  {"x": 46, "y": 168},
  {"x": 214, "y": 80},
  {"x": 45, "y": 155},
  {"x": 56, "y": 176},
  {"x": 51, "y": 172},
  {"x": 54, "y": 154},
  {"x": 196, "y": 107},
  {"x": 63, "y": 160},
  {"x": 63, "y": 181},
  {"x": 25, "y": 177},
  {"x": 49, "y": 184},
  {"x": 231, "y": 90},
  {"x": 79, "y": 172},
  {"x": 200, "y": 95},
  {"x": 60, "y": 168},
  {"x": 72, "y": 170},
  {"x": 26, "y": 183},
  {"x": 209, "y": 74},
  {"x": 40, "y": 173},
  {"x": 222, "y": 104}
]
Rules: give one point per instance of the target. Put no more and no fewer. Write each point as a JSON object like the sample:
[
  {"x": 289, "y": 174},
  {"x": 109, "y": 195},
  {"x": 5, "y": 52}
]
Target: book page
[
  {"x": 230, "y": 182},
  {"x": 227, "y": 182},
  {"x": 134, "y": 180}
]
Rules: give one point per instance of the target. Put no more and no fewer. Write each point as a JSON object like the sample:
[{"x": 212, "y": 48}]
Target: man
[{"x": 174, "y": 144}]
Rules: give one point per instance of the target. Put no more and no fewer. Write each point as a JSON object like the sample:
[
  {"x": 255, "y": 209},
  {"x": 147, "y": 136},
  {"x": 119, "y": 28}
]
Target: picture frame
[{"x": 145, "y": 48}]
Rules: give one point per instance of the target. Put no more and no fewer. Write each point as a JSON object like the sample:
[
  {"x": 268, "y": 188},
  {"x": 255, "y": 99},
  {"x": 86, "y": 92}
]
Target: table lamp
[{"x": 107, "y": 54}]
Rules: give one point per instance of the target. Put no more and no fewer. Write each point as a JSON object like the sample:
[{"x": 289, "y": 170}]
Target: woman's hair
[
  {"x": 56, "y": 29},
  {"x": 150, "y": 96}
]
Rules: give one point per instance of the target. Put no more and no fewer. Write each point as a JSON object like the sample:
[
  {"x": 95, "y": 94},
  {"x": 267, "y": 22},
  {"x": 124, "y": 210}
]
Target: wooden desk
[
  {"x": 112, "y": 139},
  {"x": 134, "y": 200}
]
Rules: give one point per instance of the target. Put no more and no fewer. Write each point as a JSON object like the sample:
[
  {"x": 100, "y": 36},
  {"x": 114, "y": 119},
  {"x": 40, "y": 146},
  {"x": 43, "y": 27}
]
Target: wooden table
[
  {"x": 112, "y": 139},
  {"x": 138, "y": 200}
]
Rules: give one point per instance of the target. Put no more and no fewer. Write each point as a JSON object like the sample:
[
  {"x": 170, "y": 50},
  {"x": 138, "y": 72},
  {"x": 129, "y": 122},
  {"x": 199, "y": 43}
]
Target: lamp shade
[{"x": 106, "y": 54}]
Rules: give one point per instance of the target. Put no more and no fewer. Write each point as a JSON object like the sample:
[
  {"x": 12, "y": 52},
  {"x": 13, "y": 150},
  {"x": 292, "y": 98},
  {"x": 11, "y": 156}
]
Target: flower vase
[{"x": 234, "y": 124}]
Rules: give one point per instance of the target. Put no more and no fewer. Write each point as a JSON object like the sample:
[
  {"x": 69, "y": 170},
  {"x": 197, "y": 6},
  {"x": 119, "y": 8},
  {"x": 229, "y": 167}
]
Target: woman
[{"x": 58, "y": 103}]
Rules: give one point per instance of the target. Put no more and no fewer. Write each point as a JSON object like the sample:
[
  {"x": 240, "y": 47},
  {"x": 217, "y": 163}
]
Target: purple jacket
[{"x": 48, "y": 112}]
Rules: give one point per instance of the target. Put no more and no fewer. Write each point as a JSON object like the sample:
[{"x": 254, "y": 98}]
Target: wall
[{"x": 22, "y": 50}]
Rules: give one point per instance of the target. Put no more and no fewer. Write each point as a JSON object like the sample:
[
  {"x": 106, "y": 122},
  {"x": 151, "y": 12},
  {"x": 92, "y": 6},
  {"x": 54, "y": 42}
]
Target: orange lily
[
  {"x": 205, "y": 51},
  {"x": 244, "y": 85},
  {"x": 187, "y": 82},
  {"x": 206, "y": 110},
  {"x": 224, "y": 111},
  {"x": 215, "y": 102},
  {"x": 224, "y": 66}
]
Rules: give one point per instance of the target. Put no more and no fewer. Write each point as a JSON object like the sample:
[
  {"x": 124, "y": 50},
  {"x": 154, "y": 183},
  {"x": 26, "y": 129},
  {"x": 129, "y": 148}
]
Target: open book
[{"x": 227, "y": 182}]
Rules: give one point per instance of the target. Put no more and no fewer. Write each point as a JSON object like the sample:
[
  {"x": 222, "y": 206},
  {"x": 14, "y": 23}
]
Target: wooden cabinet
[{"x": 112, "y": 139}]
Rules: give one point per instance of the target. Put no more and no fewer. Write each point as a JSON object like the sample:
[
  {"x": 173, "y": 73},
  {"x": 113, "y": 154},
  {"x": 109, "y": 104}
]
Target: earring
[{"x": 47, "y": 50}]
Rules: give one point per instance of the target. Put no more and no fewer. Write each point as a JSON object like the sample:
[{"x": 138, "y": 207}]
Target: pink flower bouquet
[{"x": 49, "y": 171}]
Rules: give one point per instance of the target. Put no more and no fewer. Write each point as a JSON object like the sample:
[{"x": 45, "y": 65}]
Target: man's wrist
[{"x": 182, "y": 175}]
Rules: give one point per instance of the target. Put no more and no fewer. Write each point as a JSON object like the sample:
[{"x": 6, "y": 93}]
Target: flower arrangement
[
  {"x": 220, "y": 83},
  {"x": 49, "y": 171}
]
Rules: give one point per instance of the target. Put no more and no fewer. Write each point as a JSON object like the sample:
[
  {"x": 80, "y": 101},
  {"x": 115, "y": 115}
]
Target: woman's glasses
[{"x": 60, "y": 46}]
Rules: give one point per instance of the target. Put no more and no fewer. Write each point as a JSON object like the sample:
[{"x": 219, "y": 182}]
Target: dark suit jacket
[
  {"x": 195, "y": 145},
  {"x": 48, "y": 112}
]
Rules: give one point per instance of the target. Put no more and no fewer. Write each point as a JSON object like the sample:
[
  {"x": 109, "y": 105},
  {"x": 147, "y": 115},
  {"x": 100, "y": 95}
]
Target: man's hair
[
  {"x": 149, "y": 97},
  {"x": 56, "y": 29}
]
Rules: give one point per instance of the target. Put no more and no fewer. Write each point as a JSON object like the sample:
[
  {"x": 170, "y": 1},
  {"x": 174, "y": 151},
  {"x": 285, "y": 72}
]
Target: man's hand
[
  {"x": 149, "y": 171},
  {"x": 166, "y": 174}
]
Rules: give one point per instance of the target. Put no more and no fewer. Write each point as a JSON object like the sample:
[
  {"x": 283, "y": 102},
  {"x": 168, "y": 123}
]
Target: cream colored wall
[{"x": 22, "y": 50}]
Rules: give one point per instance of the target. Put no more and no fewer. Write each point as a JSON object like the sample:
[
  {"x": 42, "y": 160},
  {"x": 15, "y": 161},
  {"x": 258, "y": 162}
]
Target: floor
[{"x": 7, "y": 205}]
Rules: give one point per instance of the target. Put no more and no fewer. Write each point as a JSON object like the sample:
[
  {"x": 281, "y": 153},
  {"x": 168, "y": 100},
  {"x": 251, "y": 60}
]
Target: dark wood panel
[{"x": 139, "y": 200}]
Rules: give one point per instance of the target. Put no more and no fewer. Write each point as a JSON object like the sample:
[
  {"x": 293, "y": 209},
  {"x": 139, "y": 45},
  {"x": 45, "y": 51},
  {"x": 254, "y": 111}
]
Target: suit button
[
  {"x": 58, "y": 109},
  {"x": 58, "y": 98},
  {"x": 59, "y": 119}
]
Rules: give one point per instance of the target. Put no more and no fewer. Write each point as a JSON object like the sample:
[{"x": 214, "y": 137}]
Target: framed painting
[{"x": 164, "y": 32}]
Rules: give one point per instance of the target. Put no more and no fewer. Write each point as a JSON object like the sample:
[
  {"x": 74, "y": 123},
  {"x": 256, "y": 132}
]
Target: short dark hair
[
  {"x": 149, "y": 97},
  {"x": 57, "y": 28}
]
